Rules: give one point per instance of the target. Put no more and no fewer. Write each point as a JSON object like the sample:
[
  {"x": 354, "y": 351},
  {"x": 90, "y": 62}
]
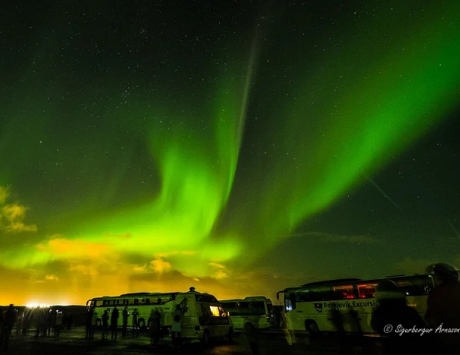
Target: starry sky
[{"x": 240, "y": 147}]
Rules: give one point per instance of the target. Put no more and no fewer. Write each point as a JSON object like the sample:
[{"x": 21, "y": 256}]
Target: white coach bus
[
  {"x": 203, "y": 319},
  {"x": 250, "y": 313},
  {"x": 310, "y": 307}
]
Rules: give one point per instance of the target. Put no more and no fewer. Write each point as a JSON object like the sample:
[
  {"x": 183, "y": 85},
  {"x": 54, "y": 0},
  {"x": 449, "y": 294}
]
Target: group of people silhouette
[
  {"x": 404, "y": 329},
  {"x": 92, "y": 323}
]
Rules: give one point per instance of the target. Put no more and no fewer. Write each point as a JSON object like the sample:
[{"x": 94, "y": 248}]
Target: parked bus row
[{"x": 309, "y": 307}]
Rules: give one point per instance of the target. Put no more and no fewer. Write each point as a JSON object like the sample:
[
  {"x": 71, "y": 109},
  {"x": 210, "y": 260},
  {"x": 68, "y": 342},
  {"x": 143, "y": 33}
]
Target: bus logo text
[{"x": 344, "y": 305}]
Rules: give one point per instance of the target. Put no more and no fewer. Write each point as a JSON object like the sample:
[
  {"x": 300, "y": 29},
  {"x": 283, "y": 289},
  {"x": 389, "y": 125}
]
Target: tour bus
[
  {"x": 204, "y": 318},
  {"x": 250, "y": 312},
  {"x": 310, "y": 307}
]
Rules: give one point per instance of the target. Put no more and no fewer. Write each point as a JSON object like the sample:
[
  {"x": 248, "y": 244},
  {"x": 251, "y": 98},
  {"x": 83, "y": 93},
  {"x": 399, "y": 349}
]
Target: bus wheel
[
  {"x": 311, "y": 327},
  {"x": 206, "y": 338}
]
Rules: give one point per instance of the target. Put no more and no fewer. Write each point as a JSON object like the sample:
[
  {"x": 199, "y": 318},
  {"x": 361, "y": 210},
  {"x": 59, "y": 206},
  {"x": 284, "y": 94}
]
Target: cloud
[
  {"x": 139, "y": 268},
  {"x": 47, "y": 278},
  {"x": 160, "y": 266},
  {"x": 12, "y": 215},
  {"x": 218, "y": 266},
  {"x": 64, "y": 248},
  {"x": 220, "y": 271}
]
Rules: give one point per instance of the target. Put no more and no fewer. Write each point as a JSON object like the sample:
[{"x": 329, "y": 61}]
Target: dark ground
[{"x": 72, "y": 342}]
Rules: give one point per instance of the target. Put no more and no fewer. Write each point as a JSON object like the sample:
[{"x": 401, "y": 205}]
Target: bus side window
[
  {"x": 415, "y": 286},
  {"x": 256, "y": 307},
  {"x": 343, "y": 292},
  {"x": 366, "y": 290}
]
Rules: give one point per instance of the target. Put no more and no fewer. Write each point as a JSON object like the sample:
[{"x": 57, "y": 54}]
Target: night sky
[{"x": 240, "y": 147}]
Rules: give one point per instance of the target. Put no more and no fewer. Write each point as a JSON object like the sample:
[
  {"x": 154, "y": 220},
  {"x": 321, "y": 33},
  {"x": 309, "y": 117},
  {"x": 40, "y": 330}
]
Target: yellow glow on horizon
[{"x": 37, "y": 305}]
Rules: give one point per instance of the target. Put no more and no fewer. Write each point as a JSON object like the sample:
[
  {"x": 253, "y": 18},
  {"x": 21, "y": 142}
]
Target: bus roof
[
  {"x": 231, "y": 300},
  {"x": 140, "y": 294},
  {"x": 335, "y": 281},
  {"x": 339, "y": 282},
  {"x": 152, "y": 294},
  {"x": 249, "y": 298}
]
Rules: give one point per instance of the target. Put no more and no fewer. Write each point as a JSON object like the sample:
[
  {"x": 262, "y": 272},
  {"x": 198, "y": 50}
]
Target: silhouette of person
[
  {"x": 135, "y": 322},
  {"x": 443, "y": 307},
  {"x": 51, "y": 317},
  {"x": 26, "y": 322},
  {"x": 393, "y": 313},
  {"x": 58, "y": 323},
  {"x": 252, "y": 335},
  {"x": 337, "y": 320},
  {"x": 9, "y": 318},
  {"x": 105, "y": 324},
  {"x": 125, "y": 320},
  {"x": 155, "y": 327},
  {"x": 88, "y": 322},
  {"x": 284, "y": 328},
  {"x": 176, "y": 328},
  {"x": 114, "y": 323}
]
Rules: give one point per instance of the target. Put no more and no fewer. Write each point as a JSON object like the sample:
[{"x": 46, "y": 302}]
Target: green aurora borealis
[{"x": 123, "y": 168}]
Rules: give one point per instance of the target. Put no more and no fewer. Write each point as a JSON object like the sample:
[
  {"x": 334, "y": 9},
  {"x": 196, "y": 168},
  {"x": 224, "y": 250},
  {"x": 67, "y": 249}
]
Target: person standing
[
  {"x": 125, "y": 321},
  {"x": 114, "y": 323},
  {"x": 284, "y": 328},
  {"x": 58, "y": 323},
  {"x": 253, "y": 337},
  {"x": 9, "y": 318},
  {"x": 176, "y": 328},
  {"x": 135, "y": 322},
  {"x": 88, "y": 321},
  {"x": 155, "y": 327},
  {"x": 105, "y": 324},
  {"x": 443, "y": 307}
]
